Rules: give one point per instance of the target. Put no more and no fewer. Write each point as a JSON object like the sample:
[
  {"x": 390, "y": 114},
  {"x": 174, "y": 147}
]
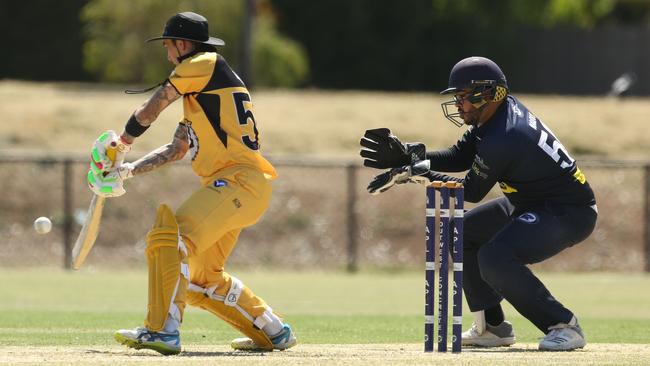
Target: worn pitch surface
[{"x": 327, "y": 354}]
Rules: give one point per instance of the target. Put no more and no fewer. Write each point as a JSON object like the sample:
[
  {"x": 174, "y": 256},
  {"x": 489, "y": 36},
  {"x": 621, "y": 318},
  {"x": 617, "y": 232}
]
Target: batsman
[
  {"x": 187, "y": 249},
  {"x": 546, "y": 207}
]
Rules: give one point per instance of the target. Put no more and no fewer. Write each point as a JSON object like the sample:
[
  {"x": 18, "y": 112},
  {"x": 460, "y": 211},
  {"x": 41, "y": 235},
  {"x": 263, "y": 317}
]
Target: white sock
[
  {"x": 274, "y": 326},
  {"x": 171, "y": 324}
]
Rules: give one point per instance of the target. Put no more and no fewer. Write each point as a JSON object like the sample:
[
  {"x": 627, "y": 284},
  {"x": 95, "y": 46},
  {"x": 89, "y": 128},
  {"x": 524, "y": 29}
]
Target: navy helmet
[
  {"x": 481, "y": 77},
  {"x": 474, "y": 70}
]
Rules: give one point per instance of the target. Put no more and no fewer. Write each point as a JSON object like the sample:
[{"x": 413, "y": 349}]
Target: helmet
[{"x": 482, "y": 78}]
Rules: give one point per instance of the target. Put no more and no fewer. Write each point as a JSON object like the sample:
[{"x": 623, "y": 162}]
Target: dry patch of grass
[
  {"x": 67, "y": 117},
  {"x": 327, "y": 354}
]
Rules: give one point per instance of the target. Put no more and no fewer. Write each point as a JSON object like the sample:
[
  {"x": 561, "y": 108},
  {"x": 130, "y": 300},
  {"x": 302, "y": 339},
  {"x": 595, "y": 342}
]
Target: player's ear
[{"x": 183, "y": 45}]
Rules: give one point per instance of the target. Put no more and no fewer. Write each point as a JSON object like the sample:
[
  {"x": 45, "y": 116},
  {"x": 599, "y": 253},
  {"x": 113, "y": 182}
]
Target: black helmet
[
  {"x": 190, "y": 27},
  {"x": 482, "y": 78}
]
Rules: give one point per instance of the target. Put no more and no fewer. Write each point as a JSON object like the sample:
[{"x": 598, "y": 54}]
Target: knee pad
[
  {"x": 228, "y": 308},
  {"x": 168, "y": 271}
]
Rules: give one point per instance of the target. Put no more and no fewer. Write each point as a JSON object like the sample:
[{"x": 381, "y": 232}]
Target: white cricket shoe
[
  {"x": 283, "y": 340},
  {"x": 141, "y": 337},
  {"x": 563, "y": 337},
  {"x": 493, "y": 336}
]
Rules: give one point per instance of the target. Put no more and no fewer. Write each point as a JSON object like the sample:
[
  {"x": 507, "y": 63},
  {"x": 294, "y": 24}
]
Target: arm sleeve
[
  {"x": 457, "y": 158},
  {"x": 192, "y": 75},
  {"x": 485, "y": 171}
]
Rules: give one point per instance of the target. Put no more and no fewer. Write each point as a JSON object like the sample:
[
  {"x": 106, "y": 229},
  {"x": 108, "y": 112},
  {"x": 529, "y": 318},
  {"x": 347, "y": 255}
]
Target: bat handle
[{"x": 111, "y": 152}]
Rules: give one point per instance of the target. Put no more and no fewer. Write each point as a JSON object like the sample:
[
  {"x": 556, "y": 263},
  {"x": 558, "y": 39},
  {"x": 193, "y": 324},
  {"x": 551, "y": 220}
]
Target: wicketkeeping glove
[
  {"x": 381, "y": 150},
  {"x": 406, "y": 174}
]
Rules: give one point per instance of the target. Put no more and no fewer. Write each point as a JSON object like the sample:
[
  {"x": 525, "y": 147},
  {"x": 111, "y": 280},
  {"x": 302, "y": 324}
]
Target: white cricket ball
[{"x": 42, "y": 225}]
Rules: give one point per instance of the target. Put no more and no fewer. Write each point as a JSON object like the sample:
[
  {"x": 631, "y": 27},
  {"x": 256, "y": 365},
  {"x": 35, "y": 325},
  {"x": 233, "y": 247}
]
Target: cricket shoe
[
  {"x": 493, "y": 336},
  {"x": 283, "y": 340},
  {"x": 563, "y": 337},
  {"x": 141, "y": 337}
]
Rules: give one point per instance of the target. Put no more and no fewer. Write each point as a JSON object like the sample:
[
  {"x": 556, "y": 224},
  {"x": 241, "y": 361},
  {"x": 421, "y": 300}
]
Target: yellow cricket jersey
[{"x": 218, "y": 112}]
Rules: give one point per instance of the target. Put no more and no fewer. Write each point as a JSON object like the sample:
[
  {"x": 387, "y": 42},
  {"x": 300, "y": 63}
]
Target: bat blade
[{"x": 89, "y": 231}]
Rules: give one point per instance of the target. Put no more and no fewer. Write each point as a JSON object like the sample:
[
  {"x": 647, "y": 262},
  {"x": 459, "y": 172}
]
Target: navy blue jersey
[{"x": 520, "y": 153}]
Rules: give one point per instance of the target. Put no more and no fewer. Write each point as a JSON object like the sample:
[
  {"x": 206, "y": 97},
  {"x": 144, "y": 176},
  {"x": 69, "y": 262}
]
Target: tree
[{"x": 115, "y": 32}]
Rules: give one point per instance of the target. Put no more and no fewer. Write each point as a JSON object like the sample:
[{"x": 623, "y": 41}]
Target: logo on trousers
[
  {"x": 528, "y": 217},
  {"x": 219, "y": 183}
]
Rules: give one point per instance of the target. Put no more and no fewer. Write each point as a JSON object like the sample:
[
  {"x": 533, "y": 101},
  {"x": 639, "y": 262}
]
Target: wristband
[{"x": 133, "y": 127}]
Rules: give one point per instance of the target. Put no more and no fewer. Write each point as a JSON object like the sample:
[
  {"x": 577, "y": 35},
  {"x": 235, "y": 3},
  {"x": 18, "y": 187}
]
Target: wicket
[{"x": 451, "y": 226}]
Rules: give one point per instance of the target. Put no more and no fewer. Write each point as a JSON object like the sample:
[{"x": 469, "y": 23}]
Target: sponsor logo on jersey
[
  {"x": 528, "y": 217},
  {"x": 505, "y": 188},
  {"x": 479, "y": 166}
]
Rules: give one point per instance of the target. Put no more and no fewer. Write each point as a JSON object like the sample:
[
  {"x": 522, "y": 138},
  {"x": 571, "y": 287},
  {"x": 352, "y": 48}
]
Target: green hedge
[{"x": 116, "y": 30}]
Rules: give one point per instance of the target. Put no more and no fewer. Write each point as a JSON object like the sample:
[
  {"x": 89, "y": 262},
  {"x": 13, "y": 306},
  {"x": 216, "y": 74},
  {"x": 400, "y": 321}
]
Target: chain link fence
[{"x": 320, "y": 217}]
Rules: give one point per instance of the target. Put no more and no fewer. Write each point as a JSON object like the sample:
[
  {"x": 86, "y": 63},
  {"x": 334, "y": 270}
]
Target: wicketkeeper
[
  {"x": 547, "y": 206},
  {"x": 187, "y": 249}
]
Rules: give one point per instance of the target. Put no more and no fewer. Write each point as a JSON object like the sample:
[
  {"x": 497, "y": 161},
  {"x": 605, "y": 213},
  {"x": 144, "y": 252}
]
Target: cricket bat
[
  {"x": 89, "y": 232},
  {"x": 90, "y": 229}
]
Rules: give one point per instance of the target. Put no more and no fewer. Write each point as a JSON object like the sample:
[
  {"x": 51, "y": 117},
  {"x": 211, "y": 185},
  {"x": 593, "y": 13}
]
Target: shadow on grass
[
  {"x": 510, "y": 350},
  {"x": 221, "y": 354}
]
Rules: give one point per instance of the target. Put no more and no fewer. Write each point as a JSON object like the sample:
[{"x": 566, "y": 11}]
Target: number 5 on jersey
[
  {"x": 244, "y": 114},
  {"x": 554, "y": 149}
]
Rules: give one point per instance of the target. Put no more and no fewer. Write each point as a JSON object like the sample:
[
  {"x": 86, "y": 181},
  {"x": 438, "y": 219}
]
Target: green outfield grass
[{"x": 50, "y": 307}]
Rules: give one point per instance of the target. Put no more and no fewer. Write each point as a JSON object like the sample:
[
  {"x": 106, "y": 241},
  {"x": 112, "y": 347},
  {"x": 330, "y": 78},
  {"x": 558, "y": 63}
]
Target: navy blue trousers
[{"x": 501, "y": 240}]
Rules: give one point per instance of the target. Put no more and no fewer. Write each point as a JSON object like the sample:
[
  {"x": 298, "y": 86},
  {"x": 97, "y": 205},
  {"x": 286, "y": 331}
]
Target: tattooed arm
[
  {"x": 149, "y": 110},
  {"x": 173, "y": 151}
]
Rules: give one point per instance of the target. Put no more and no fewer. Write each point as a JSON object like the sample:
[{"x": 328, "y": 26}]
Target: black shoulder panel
[
  {"x": 223, "y": 76},
  {"x": 211, "y": 104}
]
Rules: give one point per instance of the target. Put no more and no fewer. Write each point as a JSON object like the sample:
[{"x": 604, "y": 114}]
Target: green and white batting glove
[
  {"x": 108, "y": 151},
  {"x": 122, "y": 172},
  {"x": 105, "y": 178},
  {"x": 110, "y": 185}
]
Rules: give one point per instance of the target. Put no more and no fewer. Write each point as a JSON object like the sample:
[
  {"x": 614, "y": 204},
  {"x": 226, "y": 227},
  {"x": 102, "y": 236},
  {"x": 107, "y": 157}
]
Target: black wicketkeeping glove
[
  {"x": 405, "y": 174},
  {"x": 382, "y": 150}
]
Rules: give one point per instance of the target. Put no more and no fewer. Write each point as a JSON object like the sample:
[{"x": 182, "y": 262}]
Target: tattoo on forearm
[
  {"x": 153, "y": 160},
  {"x": 182, "y": 136},
  {"x": 149, "y": 110},
  {"x": 164, "y": 154}
]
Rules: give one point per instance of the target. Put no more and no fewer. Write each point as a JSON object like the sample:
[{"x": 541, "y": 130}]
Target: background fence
[{"x": 320, "y": 217}]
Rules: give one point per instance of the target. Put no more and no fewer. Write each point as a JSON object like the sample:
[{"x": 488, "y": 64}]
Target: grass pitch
[{"x": 365, "y": 318}]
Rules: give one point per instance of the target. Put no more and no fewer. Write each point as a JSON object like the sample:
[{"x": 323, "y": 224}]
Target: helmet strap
[{"x": 179, "y": 58}]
